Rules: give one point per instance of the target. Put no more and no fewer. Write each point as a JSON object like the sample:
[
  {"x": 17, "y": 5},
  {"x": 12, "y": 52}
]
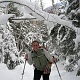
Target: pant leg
[
  {"x": 46, "y": 76},
  {"x": 37, "y": 74}
]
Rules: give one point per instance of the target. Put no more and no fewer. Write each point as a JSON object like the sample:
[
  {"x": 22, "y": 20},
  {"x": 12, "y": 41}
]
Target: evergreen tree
[{"x": 63, "y": 36}]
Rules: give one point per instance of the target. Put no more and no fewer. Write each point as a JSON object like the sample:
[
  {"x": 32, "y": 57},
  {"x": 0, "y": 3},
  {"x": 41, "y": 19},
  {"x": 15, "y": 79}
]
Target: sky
[{"x": 47, "y": 3}]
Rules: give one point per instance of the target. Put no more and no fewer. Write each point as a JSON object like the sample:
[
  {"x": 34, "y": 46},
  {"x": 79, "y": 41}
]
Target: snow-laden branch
[
  {"x": 24, "y": 3},
  {"x": 39, "y": 14},
  {"x": 4, "y": 18}
]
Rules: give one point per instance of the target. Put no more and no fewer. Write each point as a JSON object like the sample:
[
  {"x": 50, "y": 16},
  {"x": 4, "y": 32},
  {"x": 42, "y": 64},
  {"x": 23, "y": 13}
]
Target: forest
[{"x": 57, "y": 27}]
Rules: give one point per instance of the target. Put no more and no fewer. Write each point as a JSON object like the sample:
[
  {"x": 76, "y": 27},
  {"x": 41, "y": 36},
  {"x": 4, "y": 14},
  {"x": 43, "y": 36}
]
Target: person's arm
[
  {"x": 48, "y": 56},
  {"x": 28, "y": 57}
]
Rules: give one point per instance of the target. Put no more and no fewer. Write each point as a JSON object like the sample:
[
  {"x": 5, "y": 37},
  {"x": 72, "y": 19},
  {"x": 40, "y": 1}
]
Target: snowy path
[
  {"x": 54, "y": 74},
  {"x": 16, "y": 74}
]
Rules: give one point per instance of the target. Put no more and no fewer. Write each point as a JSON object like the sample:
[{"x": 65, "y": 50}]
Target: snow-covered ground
[{"x": 16, "y": 74}]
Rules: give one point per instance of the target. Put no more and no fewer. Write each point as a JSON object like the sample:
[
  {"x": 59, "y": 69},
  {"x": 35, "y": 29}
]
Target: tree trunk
[
  {"x": 53, "y": 3},
  {"x": 41, "y": 3},
  {"x": 53, "y": 6},
  {"x": 79, "y": 4}
]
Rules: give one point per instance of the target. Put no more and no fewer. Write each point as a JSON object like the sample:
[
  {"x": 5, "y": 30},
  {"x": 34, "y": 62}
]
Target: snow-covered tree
[{"x": 66, "y": 37}]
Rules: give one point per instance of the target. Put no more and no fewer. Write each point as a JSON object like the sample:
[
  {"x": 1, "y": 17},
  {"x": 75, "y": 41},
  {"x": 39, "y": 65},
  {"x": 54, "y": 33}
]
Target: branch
[
  {"x": 24, "y": 5},
  {"x": 22, "y": 18}
]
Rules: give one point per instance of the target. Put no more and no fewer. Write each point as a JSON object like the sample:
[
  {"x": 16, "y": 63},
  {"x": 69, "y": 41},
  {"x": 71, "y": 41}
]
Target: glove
[
  {"x": 54, "y": 59},
  {"x": 26, "y": 56}
]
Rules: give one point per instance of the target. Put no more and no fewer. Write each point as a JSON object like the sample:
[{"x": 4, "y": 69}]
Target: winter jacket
[{"x": 46, "y": 53}]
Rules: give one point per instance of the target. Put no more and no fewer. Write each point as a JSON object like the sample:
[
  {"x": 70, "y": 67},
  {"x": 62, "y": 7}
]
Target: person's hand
[
  {"x": 26, "y": 57},
  {"x": 54, "y": 59}
]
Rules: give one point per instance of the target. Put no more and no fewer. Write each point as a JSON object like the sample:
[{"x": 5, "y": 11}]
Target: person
[{"x": 40, "y": 58}]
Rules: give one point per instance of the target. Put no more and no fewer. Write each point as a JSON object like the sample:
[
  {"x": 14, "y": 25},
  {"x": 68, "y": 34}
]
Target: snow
[
  {"x": 79, "y": 62},
  {"x": 50, "y": 20},
  {"x": 16, "y": 74},
  {"x": 24, "y": 17},
  {"x": 77, "y": 41},
  {"x": 42, "y": 15},
  {"x": 78, "y": 11},
  {"x": 4, "y": 18}
]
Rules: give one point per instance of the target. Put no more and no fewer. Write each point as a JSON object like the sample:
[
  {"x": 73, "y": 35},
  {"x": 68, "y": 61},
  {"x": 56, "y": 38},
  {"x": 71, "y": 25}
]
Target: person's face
[{"x": 35, "y": 46}]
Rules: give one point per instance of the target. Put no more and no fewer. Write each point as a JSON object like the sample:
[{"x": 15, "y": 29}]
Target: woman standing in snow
[{"x": 40, "y": 58}]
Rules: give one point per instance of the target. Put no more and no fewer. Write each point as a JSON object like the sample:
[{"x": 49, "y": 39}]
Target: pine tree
[{"x": 63, "y": 36}]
